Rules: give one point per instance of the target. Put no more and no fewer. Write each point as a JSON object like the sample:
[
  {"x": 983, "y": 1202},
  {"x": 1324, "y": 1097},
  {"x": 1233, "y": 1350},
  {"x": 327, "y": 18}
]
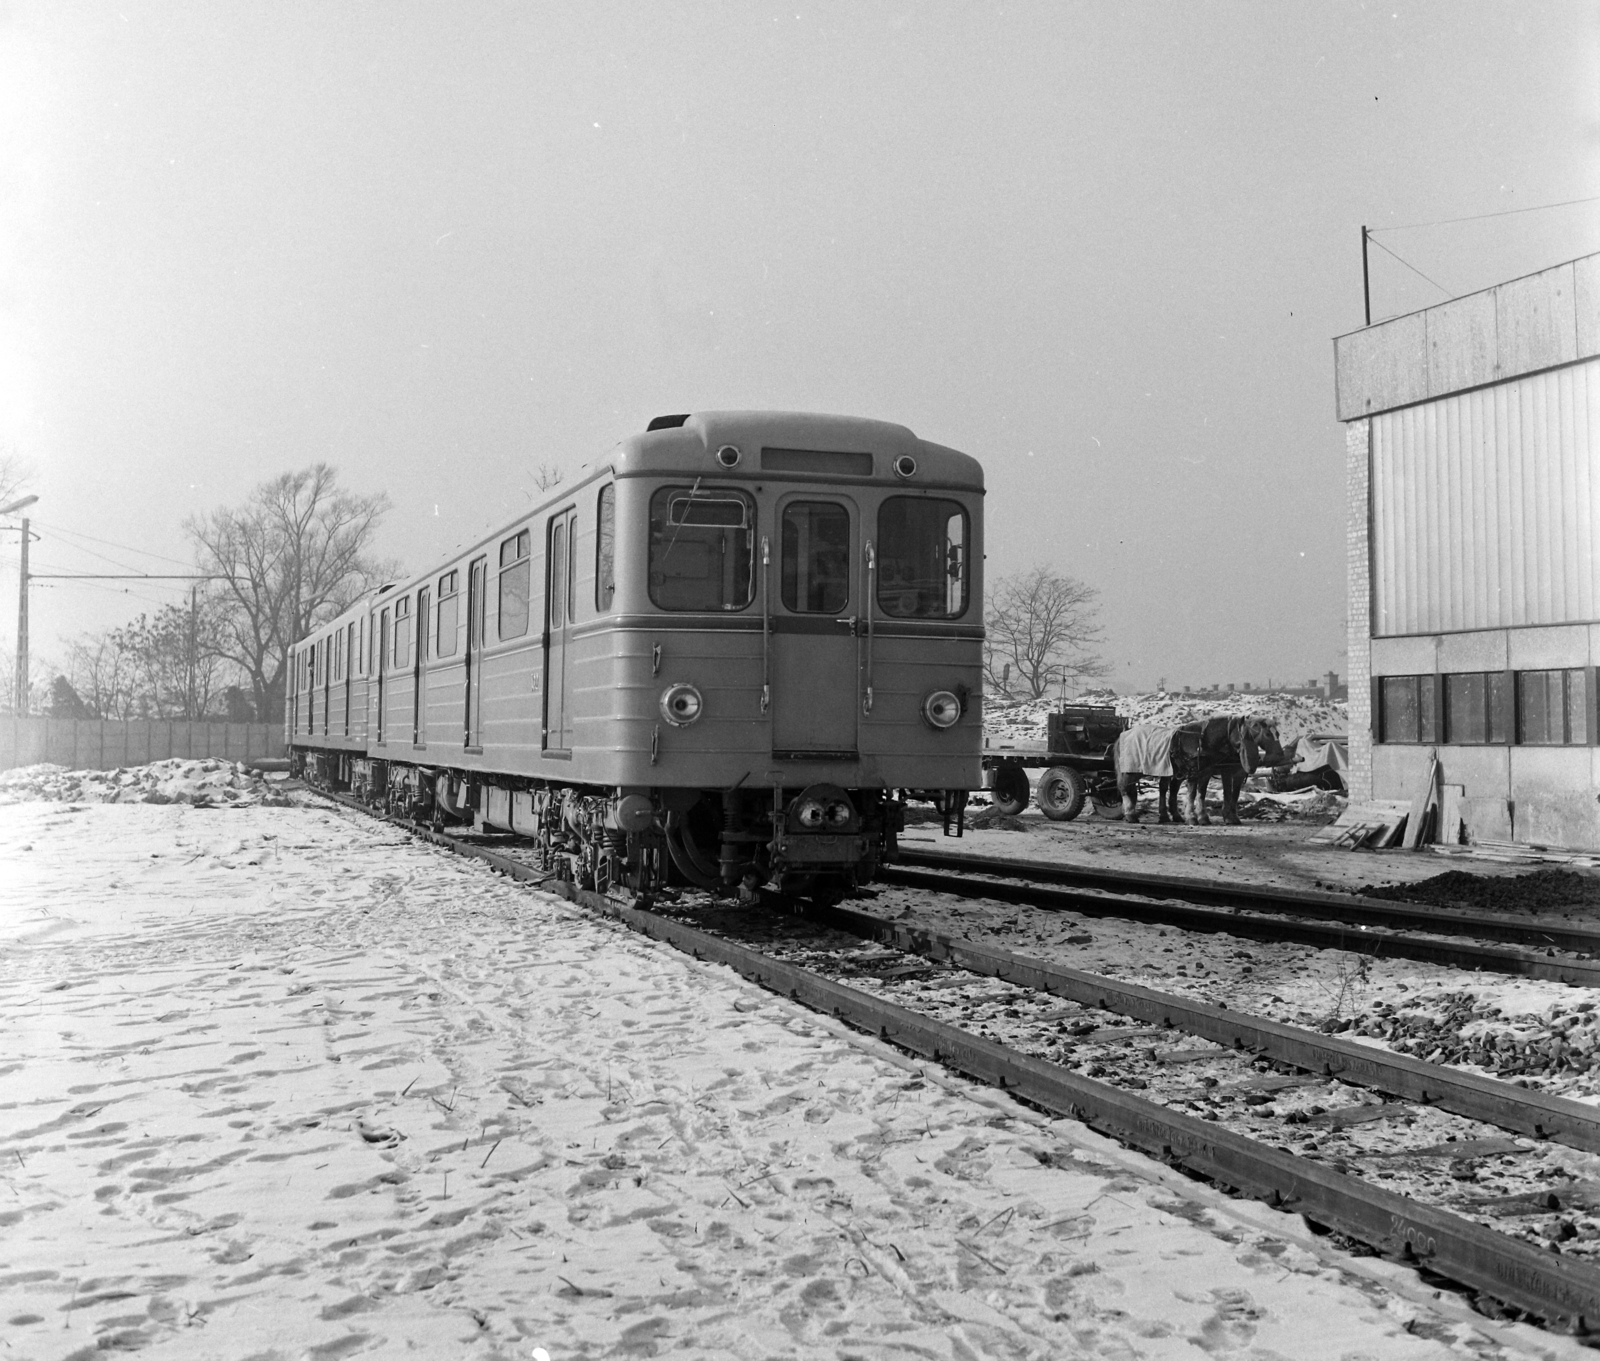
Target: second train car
[{"x": 730, "y": 649}]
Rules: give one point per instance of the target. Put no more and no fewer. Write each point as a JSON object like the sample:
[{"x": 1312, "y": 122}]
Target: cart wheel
[
  {"x": 1061, "y": 793},
  {"x": 1010, "y": 791}
]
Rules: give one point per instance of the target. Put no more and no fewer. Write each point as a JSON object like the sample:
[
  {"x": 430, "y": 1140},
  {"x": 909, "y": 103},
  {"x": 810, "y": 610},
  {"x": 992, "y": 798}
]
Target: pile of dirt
[
  {"x": 205, "y": 784},
  {"x": 1543, "y": 890}
]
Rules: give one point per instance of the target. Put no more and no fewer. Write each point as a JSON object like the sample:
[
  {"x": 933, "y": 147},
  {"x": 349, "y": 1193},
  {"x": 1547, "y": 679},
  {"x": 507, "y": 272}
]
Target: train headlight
[
  {"x": 837, "y": 814},
  {"x": 941, "y": 709},
  {"x": 810, "y": 814},
  {"x": 681, "y": 704}
]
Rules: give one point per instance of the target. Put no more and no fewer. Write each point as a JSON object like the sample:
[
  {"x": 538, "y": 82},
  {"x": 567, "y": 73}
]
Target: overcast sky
[{"x": 1103, "y": 248}]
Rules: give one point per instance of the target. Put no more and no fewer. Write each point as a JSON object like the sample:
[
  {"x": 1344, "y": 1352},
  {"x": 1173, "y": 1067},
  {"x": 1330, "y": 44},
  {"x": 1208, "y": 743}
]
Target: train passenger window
[
  {"x": 444, "y": 643},
  {"x": 402, "y": 631},
  {"x": 922, "y": 558},
  {"x": 701, "y": 549},
  {"x": 516, "y": 566},
  {"x": 605, "y": 549},
  {"x": 816, "y": 557},
  {"x": 558, "y": 573}
]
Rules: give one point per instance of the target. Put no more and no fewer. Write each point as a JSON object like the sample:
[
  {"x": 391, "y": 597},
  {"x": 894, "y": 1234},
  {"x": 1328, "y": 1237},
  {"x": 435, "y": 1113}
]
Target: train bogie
[{"x": 737, "y": 618}]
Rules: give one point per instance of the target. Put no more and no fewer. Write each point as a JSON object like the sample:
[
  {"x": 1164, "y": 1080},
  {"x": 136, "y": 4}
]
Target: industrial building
[{"x": 1472, "y": 438}]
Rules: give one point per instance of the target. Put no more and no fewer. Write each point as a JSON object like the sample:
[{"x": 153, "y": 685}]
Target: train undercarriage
[{"x": 819, "y": 842}]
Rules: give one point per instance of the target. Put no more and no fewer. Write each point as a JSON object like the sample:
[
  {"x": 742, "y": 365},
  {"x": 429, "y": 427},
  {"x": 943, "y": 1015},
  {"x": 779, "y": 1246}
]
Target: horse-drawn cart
[{"x": 1076, "y": 758}]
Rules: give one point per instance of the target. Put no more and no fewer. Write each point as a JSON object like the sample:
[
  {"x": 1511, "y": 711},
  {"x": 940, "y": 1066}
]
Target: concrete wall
[
  {"x": 1537, "y": 322},
  {"x": 1513, "y": 793},
  {"x": 106, "y": 744}
]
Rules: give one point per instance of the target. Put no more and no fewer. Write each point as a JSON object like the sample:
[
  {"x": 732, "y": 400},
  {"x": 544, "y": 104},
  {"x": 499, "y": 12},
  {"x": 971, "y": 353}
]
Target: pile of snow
[
  {"x": 207, "y": 783},
  {"x": 1023, "y": 720}
]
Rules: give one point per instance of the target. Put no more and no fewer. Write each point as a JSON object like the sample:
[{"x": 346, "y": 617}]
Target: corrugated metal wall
[{"x": 1486, "y": 507}]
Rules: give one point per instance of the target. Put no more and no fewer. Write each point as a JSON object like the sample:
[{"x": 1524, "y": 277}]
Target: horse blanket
[{"x": 1144, "y": 749}]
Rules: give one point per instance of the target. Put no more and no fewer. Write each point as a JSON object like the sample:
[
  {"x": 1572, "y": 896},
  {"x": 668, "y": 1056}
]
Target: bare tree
[
  {"x": 545, "y": 476},
  {"x": 15, "y": 474},
  {"x": 295, "y": 554},
  {"x": 176, "y": 659},
  {"x": 1041, "y": 628},
  {"x": 101, "y": 674}
]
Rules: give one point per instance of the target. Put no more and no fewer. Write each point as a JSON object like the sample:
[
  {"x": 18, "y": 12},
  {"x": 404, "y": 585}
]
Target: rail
[{"x": 1253, "y": 924}]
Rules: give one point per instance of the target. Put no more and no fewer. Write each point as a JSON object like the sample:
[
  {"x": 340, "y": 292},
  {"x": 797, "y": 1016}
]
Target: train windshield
[
  {"x": 816, "y": 557},
  {"x": 922, "y": 558},
  {"x": 701, "y": 549}
]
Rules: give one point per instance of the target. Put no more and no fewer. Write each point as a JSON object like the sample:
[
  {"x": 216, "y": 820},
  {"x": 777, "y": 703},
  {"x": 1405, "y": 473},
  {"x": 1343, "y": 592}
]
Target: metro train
[{"x": 725, "y": 655}]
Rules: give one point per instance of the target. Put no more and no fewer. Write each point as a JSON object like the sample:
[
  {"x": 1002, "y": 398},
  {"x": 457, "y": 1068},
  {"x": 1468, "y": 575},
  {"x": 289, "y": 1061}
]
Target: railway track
[
  {"x": 1332, "y": 921},
  {"x": 1562, "y": 1290}
]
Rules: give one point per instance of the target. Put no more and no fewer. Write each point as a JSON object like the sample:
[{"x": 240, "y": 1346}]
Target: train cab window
[
  {"x": 922, "y": 558},
  {"x": 402, "y": 631},
  {"x": 702, "y": 549},
  {"x": 444, "y": 643},
  {"x": 816, "y": 557},
  {"x": 516, "y": 566},
  {"x": 605, "y": 548}
]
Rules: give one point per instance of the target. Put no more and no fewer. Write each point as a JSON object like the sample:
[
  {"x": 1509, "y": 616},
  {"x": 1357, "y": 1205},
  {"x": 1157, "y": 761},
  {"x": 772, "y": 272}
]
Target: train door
[
  {"x": 327, "y": 685},
  {"x": 419, "y": 672},
  {"x": 815, "y": 652},
  {"x": 476, "y": 575},
  {"x": 557, "y": 632},
  {"x": 383, "y": 674}
]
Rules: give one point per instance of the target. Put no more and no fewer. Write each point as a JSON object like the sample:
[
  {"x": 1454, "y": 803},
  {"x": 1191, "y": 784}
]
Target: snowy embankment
[
  {"x": 1023, "y": 720},
  {"x": 285, "y": 1082},
  {"x": 201, "y": 783}
]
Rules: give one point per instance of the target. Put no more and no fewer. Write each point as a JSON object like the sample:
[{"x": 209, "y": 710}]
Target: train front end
[{"x": 811, "y": 621}]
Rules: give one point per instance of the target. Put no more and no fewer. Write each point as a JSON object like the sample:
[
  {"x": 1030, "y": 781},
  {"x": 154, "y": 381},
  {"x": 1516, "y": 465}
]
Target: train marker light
[
  {"x": 681, "y": 704},
  {"x": 941, "y": 709},
  {"x": 905, "y": 466},
  {"x": 728, "y": 456}
]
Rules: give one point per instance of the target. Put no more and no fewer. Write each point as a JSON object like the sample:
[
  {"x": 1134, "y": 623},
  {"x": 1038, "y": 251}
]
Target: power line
[
  {"x": 1411, "y": 267},
  {"x": 1479, "y": 217},
  {"x": 109, "y": 543}
]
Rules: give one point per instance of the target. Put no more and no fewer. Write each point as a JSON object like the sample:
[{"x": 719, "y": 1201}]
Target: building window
[
  {"x": 516, "y": 567},
  {"x": 605, "y": 548},
  {"x": 1477, "y": 708},
  {"x": 1407, "y": 711},
  {"x": 1552, "y": 708},
  {"x": 445, "y": 639}
]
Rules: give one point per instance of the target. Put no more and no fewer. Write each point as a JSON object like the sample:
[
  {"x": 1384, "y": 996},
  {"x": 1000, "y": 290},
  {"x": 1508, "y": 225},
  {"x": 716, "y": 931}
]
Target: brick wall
[{"x": 1358, "y": 595}]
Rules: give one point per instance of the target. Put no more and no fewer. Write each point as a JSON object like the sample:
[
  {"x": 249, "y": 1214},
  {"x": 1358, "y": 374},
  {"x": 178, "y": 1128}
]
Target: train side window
[
  {"x": 444, "y": 643},
  {"x": 516, "y": 565},
  {"x": 922, "y": 558},
  {"x": 558, "y": 572},
  {"x": 702, "y": 549},
  {"x": 816, "y": 557},
  {"x": 402, "y": 631},
  {"x": 605, "y": 548}
]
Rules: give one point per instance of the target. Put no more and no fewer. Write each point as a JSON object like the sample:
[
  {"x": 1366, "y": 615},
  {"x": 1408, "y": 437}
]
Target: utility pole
[
  {"x": 1366, "y": 287},
  {"x": 22, "y": 607}
]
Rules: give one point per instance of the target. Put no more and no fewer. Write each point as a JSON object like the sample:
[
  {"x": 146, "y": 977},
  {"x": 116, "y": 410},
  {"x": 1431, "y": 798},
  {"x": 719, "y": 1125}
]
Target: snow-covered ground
[{"x": 282, "y": 1082}]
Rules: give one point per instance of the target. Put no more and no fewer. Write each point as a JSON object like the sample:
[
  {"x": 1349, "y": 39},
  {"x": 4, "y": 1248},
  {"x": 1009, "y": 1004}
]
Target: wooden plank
[
  {"x": 1450, "y": 817},
  {"x": 1417, "y": 819}
]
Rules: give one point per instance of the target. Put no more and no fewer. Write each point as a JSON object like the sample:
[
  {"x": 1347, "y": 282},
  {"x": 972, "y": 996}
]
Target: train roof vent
[{"x": 667, "y": 422}]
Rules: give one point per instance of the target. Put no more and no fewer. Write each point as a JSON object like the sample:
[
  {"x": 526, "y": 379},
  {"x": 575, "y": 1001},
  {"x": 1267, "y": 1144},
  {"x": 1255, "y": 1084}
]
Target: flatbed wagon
[{"x": 1076, "y": 759}]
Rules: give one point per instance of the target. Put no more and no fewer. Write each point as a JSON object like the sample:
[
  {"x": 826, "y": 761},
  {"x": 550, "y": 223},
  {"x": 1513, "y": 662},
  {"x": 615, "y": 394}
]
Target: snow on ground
[
  {"x": 282, "y": 1082},
  {"x": 1022, "y": 721},
  {"x": 177, "y": 780}
]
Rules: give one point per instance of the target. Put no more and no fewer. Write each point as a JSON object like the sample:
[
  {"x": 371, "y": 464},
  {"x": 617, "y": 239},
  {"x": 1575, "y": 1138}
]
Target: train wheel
[
  {"x": 1061, "y": 793},
  {"x": 1010, "y": 791}
]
